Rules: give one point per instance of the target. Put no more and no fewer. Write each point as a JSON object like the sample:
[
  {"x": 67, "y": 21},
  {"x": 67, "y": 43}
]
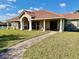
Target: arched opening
[{"x": 25, "y": 23}]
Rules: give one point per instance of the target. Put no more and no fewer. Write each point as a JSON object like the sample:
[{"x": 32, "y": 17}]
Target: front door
[{"x": 53, "y": 25}]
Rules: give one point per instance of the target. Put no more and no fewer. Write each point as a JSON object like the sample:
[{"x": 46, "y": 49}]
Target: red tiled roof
[
  {"x": 43, "y": 14},
  {"x": 14, "y": 19},
  {"x": 71, "y": 16}
]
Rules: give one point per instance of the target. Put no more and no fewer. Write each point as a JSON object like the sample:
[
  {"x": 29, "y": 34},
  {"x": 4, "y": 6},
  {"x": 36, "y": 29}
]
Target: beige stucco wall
[
  {"x": 27, "y": 16},
  {"x": 73, "y": 24},
  {"x": 47, "y": 22},
  {"x": 48, "y": 25},
  {"x": 24, "y": 22},
  {"x": 41, "y": 25},
  {"x": 15, "y": 25}
]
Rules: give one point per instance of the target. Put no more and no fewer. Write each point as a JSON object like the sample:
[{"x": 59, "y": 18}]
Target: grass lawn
[
  {"x": 12, "y": 37},
  {"x": 59, "y": 46}
]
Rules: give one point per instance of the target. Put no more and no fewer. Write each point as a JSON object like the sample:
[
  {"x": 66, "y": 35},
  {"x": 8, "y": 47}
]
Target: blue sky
[{"x": 11, "y": 8}]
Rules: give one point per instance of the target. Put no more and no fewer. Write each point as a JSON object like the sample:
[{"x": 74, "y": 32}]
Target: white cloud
[
  {"x": 7, "y": 16},
  {"x": 37, "y": 9},
  {"x": 5, "y": 7},
  {"x": 30, "y": 9},
  {"x": 33, "y": 8},
  {"x": 20, "y": 11},
  {"x": 11, "y": 15},
  {"x": 11, "y": 0},
  {"x": 62, "y": 4}
]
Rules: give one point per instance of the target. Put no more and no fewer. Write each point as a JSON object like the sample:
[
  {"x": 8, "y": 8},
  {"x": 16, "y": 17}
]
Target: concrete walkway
[{"x": 17, "y": 51}]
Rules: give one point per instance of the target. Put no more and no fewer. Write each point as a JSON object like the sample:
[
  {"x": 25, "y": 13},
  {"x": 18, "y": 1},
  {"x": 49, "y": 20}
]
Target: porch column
[
  {"x": 61, "y": 25},
  {"x": 30, "y": 25},
  {"x": 17, "y": 27},
  {"x": 21, "y": 25},
  {"x": 7, "y": 25},
  {"x": 44, "y": 25}
]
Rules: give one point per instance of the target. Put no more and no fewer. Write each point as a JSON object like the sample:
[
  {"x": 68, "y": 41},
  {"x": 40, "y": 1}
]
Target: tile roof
[
  {"x": 71, "y": 16},
  {"x": 43, "y": 14},
  {"x": 14, "y": 19}
]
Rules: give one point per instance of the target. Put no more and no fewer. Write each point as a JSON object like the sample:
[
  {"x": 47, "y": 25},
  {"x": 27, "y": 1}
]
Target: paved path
[{"x": 17, "y": 51}]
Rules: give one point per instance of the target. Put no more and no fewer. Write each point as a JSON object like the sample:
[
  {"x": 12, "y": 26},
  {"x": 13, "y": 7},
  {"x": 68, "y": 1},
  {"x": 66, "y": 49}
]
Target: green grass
[
  {"x": 59, "y": 46},
  {"x": 12, "y": 37}
]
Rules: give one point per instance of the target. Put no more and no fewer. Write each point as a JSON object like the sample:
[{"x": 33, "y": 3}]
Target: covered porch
[{"x": 42, "y": 24}]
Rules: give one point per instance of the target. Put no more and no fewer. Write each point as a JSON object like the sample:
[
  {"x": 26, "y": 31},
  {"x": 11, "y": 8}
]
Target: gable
[{"x": 25, "y": 15}]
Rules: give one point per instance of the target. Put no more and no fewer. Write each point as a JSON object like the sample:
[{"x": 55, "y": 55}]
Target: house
[
  {"x": 45, "y": 20},
  {"x": 3, "y": 25}
]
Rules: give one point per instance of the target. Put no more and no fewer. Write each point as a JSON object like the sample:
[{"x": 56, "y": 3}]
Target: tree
[{"x": 77, "y": 11}]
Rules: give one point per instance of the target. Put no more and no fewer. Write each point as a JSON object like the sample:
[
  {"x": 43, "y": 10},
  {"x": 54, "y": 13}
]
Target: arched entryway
[{"x": 24, "y": 23}]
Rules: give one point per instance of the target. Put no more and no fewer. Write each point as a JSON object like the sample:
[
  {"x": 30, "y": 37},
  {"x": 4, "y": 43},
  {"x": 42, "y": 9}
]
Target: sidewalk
[{"x": 17, "y": 51}]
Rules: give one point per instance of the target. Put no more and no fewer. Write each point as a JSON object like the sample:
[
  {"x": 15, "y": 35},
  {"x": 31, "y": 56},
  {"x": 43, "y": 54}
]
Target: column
[
  {"x": 44, "y": 25},
  {"x": 21, "y": 25},
  {"x": 18, "y": 25},
  {"x": 7, "y": 25},
  {"x": 61, "y": 25},
  {"x": 30, "y": 25}
]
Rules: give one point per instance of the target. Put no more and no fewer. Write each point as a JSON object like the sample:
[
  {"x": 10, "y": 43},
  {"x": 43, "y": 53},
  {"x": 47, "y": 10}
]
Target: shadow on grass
[{"x": 7, "y": 40}]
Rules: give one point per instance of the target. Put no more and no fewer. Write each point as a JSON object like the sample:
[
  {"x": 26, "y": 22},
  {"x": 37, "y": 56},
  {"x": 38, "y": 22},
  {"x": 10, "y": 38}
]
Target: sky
[{"x": 12, "y": 8}]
